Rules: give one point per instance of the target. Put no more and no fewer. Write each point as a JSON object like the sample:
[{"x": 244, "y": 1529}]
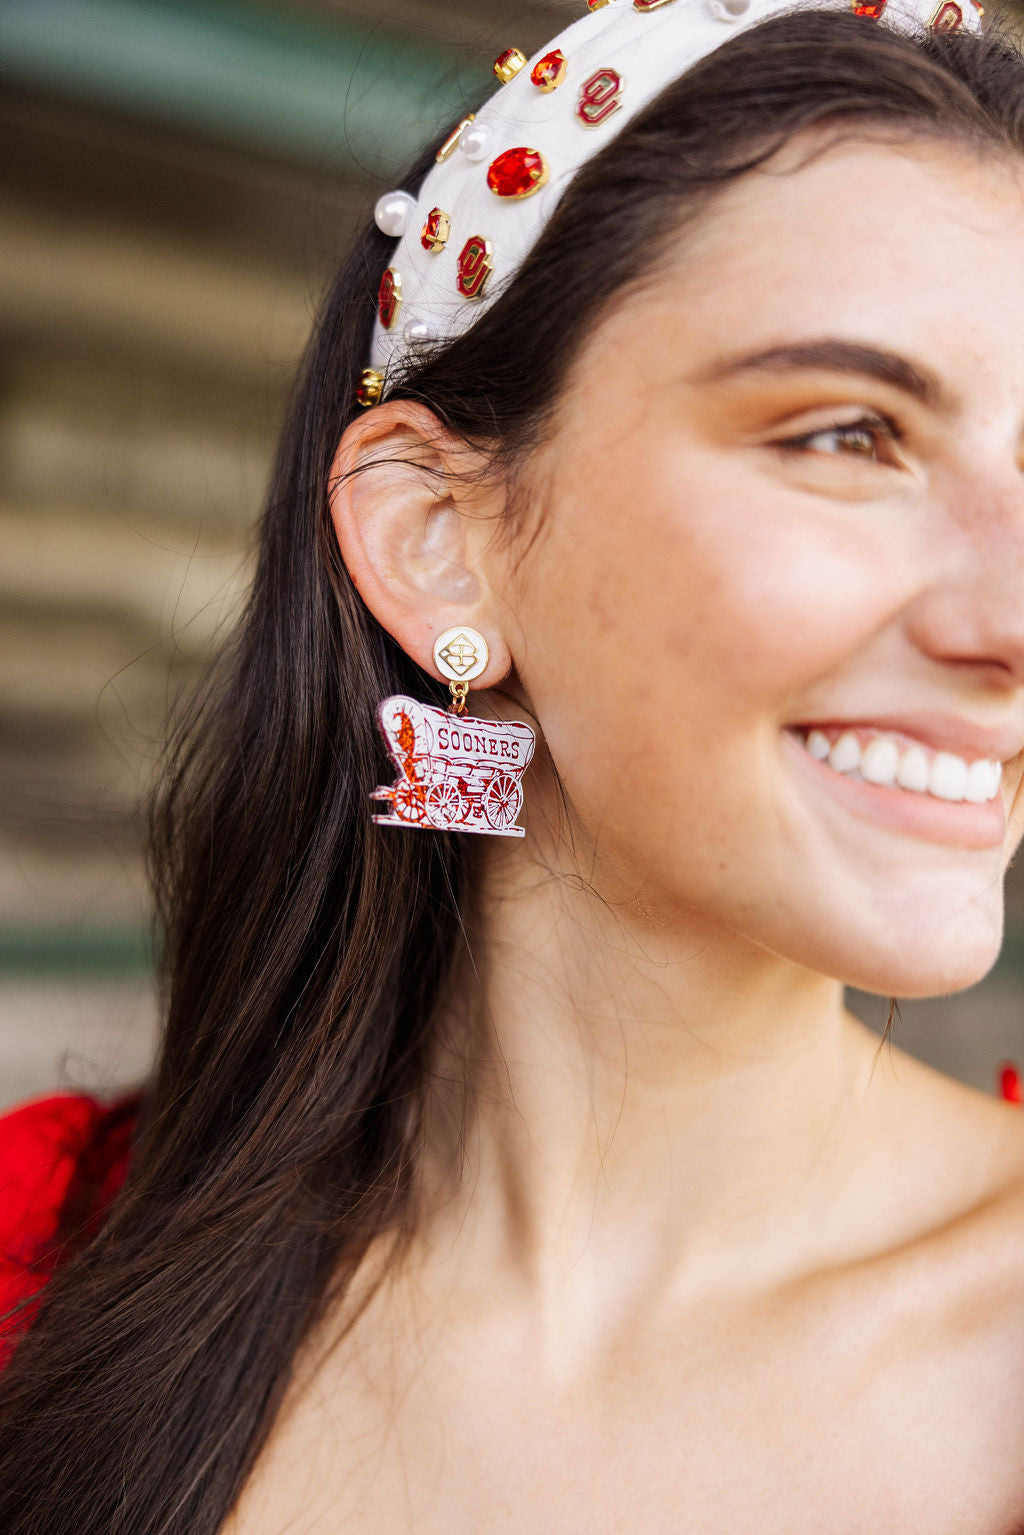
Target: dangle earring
[{"x": 455, "y": 772}]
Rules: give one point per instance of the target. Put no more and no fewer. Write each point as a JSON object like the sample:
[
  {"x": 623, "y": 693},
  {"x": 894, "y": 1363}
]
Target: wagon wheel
[
  {"x": 409, "y": 801},
  {"x": 503, "y": 799},
  {"x": 445, "y": 804}
]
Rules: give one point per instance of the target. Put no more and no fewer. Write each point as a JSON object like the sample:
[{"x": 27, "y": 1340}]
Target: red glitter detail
[
  {"x": 454, "y": 773},
  {"x": 517, "y": 172},
  {"x": 475, "y": 265},
  {"x": 389, "y": 297},
  {"x": 549, "y": 71},
  {"x": 1010, "y": 1085},
  {"x": 948, "y": 18},
  {"x": 872, "y": 9}
]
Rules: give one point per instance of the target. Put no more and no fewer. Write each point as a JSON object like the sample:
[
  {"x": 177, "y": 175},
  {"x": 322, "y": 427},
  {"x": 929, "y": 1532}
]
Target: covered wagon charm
[{"x": 455, "y": 773}]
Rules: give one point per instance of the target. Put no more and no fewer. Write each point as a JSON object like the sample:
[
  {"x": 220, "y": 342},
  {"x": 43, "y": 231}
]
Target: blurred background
[{"x": 178, "y": 178}]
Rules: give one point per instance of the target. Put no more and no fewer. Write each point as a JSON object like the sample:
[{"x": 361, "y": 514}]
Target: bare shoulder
[
  {"x": 946, "y": 1176},
  {"x": 965, "y": 1155},
  {"x": 934, "y": 1310},
  {"x": 968, "y": 1143}
]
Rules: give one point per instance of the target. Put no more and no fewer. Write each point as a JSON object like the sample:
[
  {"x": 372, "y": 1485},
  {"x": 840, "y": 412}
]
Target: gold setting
[
  {"x": 508, "y": 64},
  {"x": 435, "y": 232},
  {"x": 371, "y": 387},
  {"x": 451, "y": 143}
]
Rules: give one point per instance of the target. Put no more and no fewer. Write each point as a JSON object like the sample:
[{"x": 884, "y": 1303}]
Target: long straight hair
[{"x": 307, "y": 953}]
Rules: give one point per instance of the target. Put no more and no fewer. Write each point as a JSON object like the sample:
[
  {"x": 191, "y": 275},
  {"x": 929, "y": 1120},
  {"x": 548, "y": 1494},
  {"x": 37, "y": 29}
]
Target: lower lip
[{"x": 957, "y": 822}]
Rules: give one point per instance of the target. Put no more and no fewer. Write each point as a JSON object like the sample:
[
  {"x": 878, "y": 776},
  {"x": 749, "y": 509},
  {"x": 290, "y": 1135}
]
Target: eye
[{"x": 872, "y": 438}]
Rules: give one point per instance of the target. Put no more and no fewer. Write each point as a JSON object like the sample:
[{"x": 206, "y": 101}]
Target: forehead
[{"x": 919, "y": 244}]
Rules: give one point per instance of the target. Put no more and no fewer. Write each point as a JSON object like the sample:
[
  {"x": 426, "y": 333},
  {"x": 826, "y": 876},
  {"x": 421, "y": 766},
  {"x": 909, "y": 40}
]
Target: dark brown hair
[{"x": 306, "y": 951}]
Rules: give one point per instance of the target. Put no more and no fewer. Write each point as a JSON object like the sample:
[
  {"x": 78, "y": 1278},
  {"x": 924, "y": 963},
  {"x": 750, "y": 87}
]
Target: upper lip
[{"x": 941, "y": 732}]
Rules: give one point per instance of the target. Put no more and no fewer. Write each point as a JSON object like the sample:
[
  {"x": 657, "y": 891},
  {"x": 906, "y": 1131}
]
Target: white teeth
[
  {"x": 978, "y": 786},
  {"x": 947, "y": 776},
  {"x": 845, "y": 754},
  {"x": 879, "y": 761},
  {"x": 885, "y": 761},
  {"x": 912, "y": 772}
]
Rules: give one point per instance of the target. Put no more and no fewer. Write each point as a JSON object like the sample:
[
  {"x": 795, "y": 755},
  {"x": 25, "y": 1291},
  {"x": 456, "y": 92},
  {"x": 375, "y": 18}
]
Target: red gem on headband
[
  {"x": 508, "y": 64},
  {"x": 517, "y": 173},
  {"x": 549, "y": 71},
  {"x": 435, "y": 232},
  {"x": 389, "y": 297},
  {"x": 872, "y": 9}
]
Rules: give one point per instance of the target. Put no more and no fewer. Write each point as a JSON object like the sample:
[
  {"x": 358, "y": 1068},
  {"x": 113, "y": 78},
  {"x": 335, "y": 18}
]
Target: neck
[{"x": 663, "y": 1101}]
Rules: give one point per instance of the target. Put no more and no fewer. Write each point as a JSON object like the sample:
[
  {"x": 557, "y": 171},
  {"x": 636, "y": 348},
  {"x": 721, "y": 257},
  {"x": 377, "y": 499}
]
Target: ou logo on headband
[
  {"x": 600, "y": 98},
  {"x": 476, "y": 263}
]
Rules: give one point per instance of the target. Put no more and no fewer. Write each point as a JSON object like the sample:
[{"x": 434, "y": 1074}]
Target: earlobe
[{"x": 405, "y": 509}]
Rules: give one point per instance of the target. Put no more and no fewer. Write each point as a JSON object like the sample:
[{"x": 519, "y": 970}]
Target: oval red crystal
[{"x": 517, "y": 173}]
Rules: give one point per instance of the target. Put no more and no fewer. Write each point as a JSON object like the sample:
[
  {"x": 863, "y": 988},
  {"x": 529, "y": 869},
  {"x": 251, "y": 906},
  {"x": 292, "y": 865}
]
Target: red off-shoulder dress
[{"x": 63, "y": 1159}]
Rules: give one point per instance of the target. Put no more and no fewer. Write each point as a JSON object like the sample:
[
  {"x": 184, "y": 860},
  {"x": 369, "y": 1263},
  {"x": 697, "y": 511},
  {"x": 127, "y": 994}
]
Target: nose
[{"x": 972, "y": 612}]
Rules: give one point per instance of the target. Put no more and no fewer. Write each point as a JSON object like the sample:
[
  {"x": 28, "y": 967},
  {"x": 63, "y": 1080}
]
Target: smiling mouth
[
  {"x": 886, "y": 760},
  {"x": 917, "y": 813}
]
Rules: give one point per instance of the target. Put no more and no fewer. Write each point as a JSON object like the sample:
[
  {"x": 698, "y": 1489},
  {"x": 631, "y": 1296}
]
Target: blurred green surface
[
  {"x": 342, "y": 94},
  {"x": 80, "y": 951}
]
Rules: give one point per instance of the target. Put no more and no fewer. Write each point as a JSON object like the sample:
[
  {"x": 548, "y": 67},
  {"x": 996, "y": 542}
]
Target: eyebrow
[{"x": 832, "y": 355}]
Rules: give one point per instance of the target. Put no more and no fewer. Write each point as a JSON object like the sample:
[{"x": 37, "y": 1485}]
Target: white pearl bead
[
  {"x": 391, "y": 214},
  {"x": 474, "y": 141},
  {"x": 419, "y": 331},
  {"x": 728, "y": 10}
]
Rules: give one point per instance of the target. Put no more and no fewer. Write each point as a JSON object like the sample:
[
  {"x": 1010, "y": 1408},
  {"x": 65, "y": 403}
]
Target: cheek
[
  {"x": 691, "y": 571},
  {"x": 676, "y": 602}
]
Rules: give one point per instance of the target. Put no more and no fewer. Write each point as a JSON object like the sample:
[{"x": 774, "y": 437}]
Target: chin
[
  {"x": 925, "y": 969},
  {"x": 926, "y": 940}
]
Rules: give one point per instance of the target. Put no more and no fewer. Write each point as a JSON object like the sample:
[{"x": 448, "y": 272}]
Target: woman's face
[{"x": 786, "y": 491}]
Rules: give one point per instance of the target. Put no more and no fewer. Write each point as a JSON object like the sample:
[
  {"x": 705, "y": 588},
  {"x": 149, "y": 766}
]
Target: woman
[{"x": 545, "y": 1183}]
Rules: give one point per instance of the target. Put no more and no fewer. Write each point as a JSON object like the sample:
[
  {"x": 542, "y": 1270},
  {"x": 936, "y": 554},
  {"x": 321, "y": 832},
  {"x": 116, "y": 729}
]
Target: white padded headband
[{"x": 499, "y": 176}]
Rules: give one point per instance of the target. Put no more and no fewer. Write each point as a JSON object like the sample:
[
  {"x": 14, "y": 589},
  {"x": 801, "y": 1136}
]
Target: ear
[{"x": 414, "y": 523}]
